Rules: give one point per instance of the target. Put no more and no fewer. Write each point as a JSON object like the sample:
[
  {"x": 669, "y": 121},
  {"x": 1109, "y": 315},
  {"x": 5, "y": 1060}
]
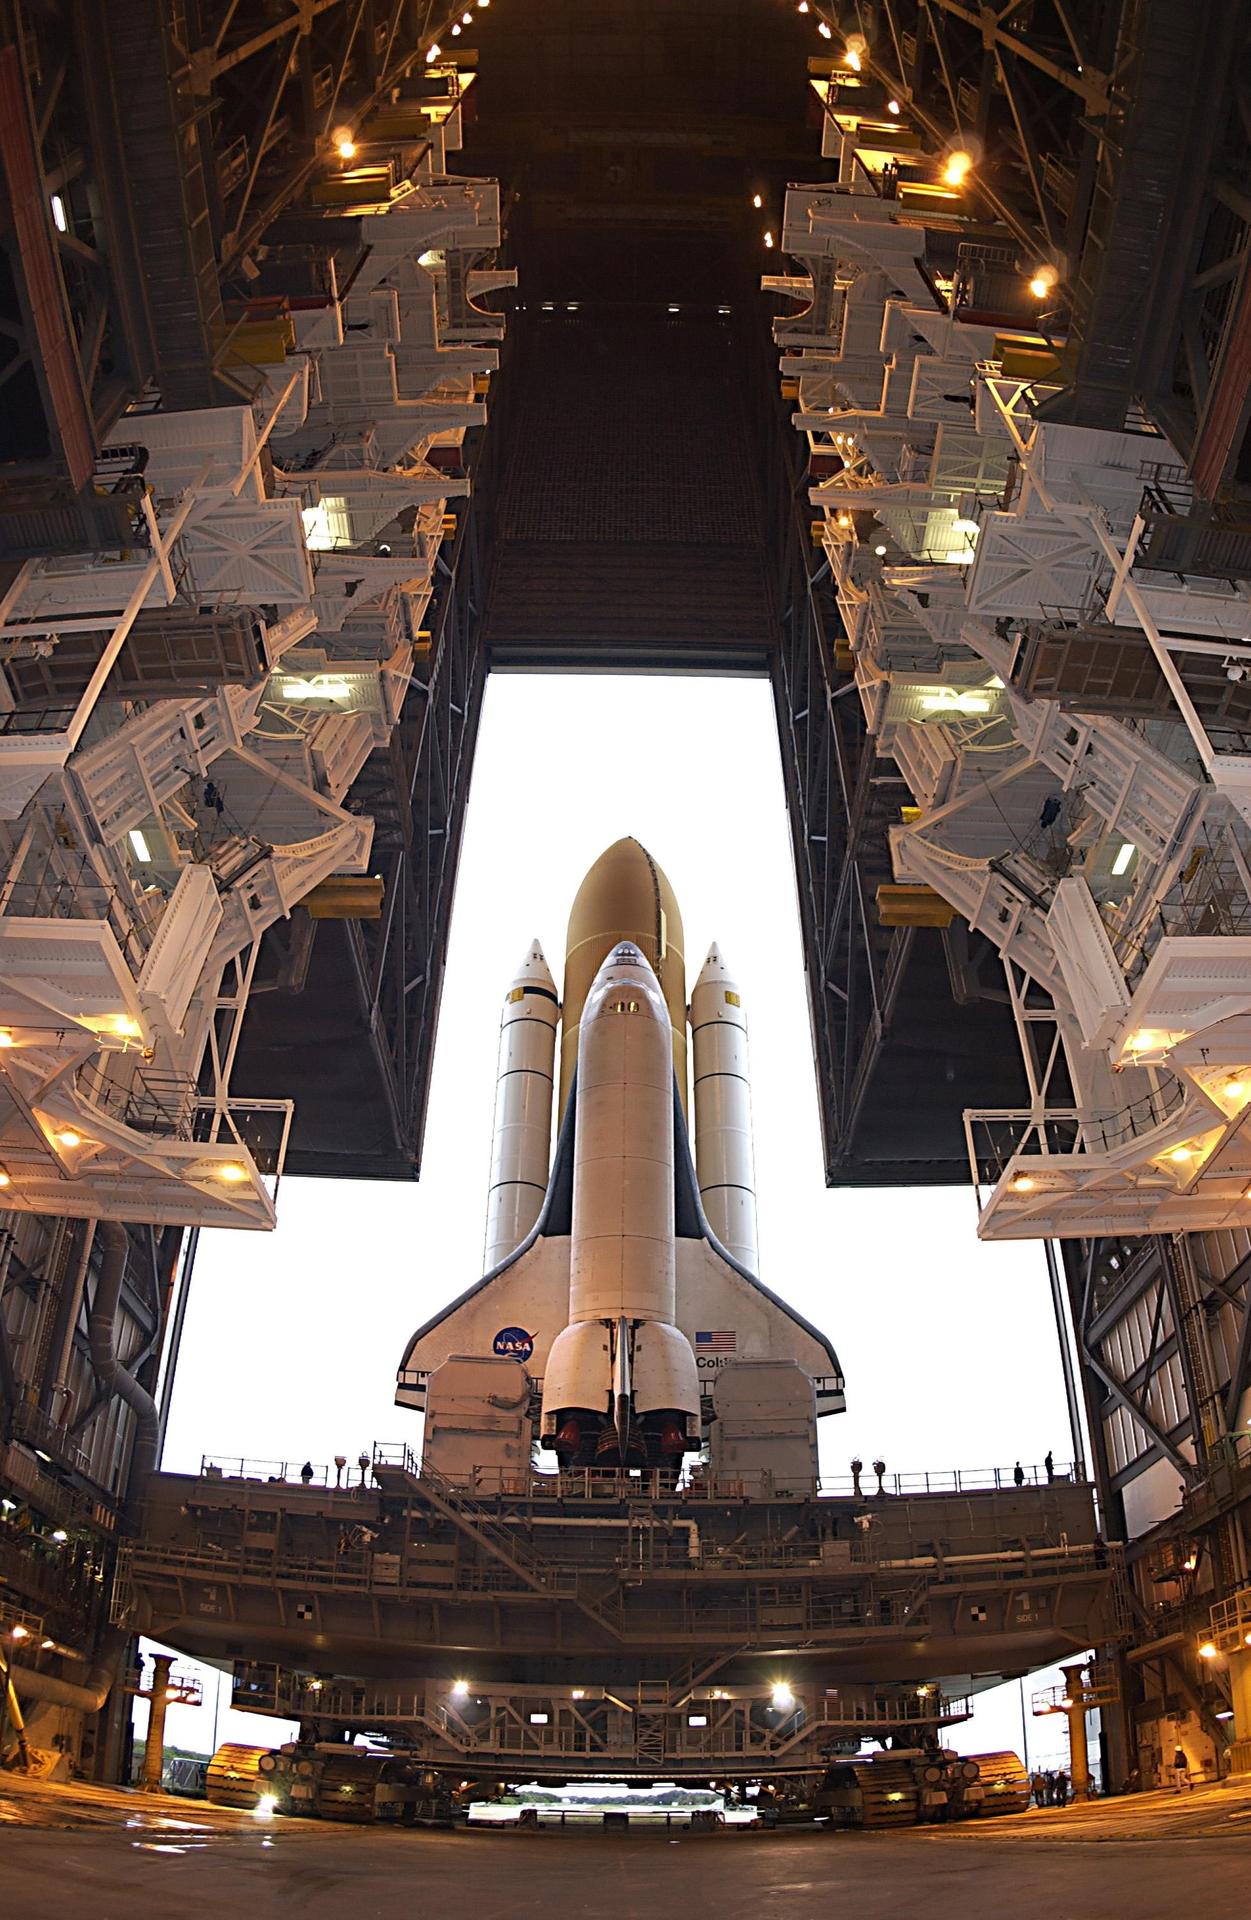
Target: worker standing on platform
[
  {"x": 1018, "y": 1475},
  {"x": 1049, "y": 1464}
]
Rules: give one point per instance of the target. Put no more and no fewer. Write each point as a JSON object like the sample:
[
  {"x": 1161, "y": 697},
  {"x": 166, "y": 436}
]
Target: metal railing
[
  {"x": 999, "y": 1137},
  {"x": 649, "y": 1483}
]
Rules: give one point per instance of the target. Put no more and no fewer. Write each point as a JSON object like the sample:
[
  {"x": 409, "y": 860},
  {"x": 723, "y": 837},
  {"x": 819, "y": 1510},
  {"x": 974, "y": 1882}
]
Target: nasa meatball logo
[{"x": 513, "y": 1343}]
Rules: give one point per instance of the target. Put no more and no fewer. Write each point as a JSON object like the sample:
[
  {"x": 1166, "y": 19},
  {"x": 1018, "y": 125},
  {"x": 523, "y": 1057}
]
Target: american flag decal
[{"x": 716, "y": 1342}]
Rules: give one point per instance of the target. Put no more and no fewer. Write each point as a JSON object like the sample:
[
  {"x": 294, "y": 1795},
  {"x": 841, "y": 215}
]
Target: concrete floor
[{"x": 108, "y": 1856}]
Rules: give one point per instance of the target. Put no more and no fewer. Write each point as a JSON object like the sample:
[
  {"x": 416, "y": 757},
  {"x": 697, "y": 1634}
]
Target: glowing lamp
[
  {"x": 231, "y": 1173},
  {"x": 1208, "y": 1650},
  {"x": 957, "y": 168},
  {"x": 1023, "y": 1183},
  {"x": 69, "y": 1137}
]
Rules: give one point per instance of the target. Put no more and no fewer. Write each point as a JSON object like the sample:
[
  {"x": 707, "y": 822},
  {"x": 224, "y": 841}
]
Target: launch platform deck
[{"x": 1130, "y": 1859}]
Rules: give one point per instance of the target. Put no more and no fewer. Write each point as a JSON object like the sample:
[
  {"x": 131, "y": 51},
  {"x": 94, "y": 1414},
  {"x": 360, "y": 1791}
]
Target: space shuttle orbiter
[{"x": 620, "y": 1277}]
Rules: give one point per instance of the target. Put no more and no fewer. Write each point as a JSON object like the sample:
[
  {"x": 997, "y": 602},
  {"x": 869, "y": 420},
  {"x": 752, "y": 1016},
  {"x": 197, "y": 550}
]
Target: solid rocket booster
[
  {"x": 620, "y": 1383},
  {"x": 724, "y": 1159},
  {"x": 521, "y": 1140}
]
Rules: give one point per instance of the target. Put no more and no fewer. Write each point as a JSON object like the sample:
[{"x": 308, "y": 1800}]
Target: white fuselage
[{"x": 621, "y": 1351}]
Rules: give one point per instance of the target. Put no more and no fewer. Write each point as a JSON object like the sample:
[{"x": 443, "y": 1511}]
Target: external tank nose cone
[{"x": 625, "y": 898}]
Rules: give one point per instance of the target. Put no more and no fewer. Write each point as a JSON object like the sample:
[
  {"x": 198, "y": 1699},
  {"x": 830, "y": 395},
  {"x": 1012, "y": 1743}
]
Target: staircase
[{"x": 479, "y": 1524}]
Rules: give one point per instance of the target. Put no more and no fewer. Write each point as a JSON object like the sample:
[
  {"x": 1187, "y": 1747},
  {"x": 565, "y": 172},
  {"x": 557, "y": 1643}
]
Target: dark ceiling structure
[{"x": 640, "y": 497}]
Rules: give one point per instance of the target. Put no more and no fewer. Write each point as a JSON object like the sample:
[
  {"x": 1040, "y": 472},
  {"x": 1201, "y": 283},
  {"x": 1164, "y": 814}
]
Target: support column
[
  {"x": 158, "y": 1700},
  {"x": 10, "y": 1710},
  {"x": 1240, "y": 1701},
  {"x": 1079, "y": 1759}
]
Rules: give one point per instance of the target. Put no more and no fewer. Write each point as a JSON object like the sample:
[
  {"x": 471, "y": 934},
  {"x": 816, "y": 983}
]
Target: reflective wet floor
[{"x": 104, "y": 1855}]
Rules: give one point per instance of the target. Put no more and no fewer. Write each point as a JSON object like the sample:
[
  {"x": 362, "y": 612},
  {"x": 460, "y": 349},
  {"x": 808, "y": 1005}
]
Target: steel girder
[
  {"x": 1024, "y": 88},
  {"x": 398, "y": 962},
  {"x": 75, "y": 344}
]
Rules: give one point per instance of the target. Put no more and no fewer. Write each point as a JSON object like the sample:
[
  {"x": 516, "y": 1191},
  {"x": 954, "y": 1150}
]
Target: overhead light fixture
[
  {"x": 6, "y": 1178},
  {"x": 60, "y": 1536},
  {"x": 957, "y": 168},
  {"x": 803, "y": 6},
  {"x": 757, "y": 200},
  {"x": 6, "y": 1037},
  {"x": 460, "y": 1689},
  {"x": 232, "y": 1173},
  {"x": 19, "y": 1632},
  {"x": 432, "y": 53},
  {"x": 69, "y": 1137},
  {"x": 879, "y": 551},
  {"x": 1235, "y": 1088},
  {"x": 578, "y": 1693},
  {"x": 768, "y": 239},
  {"x": 1147, "y": 1040},
  {"x": 345, "y": 145},
  {"x": 1023, "y": 1183},
  {"x": 1042, "y": 280},
  {"x": 782, "y": 1698},
  {"x": 539, "y": 1719},
  {"x": 956, "y": 700},
  {"x": 456, "y": 31},
  {"x": 892, "y": 106},
  {"x": 826, "y": 33},
  {"x": 139, "y": 844},
  {"x": 1208, "y": 1650},
  {"x": 1180, "y": 1154},
  {"x": 1125, "y": 854},
  {"x": 59, "y": 220},
  {"x": 319, "y": 688},
  {"x": 856, "y": 51}
]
